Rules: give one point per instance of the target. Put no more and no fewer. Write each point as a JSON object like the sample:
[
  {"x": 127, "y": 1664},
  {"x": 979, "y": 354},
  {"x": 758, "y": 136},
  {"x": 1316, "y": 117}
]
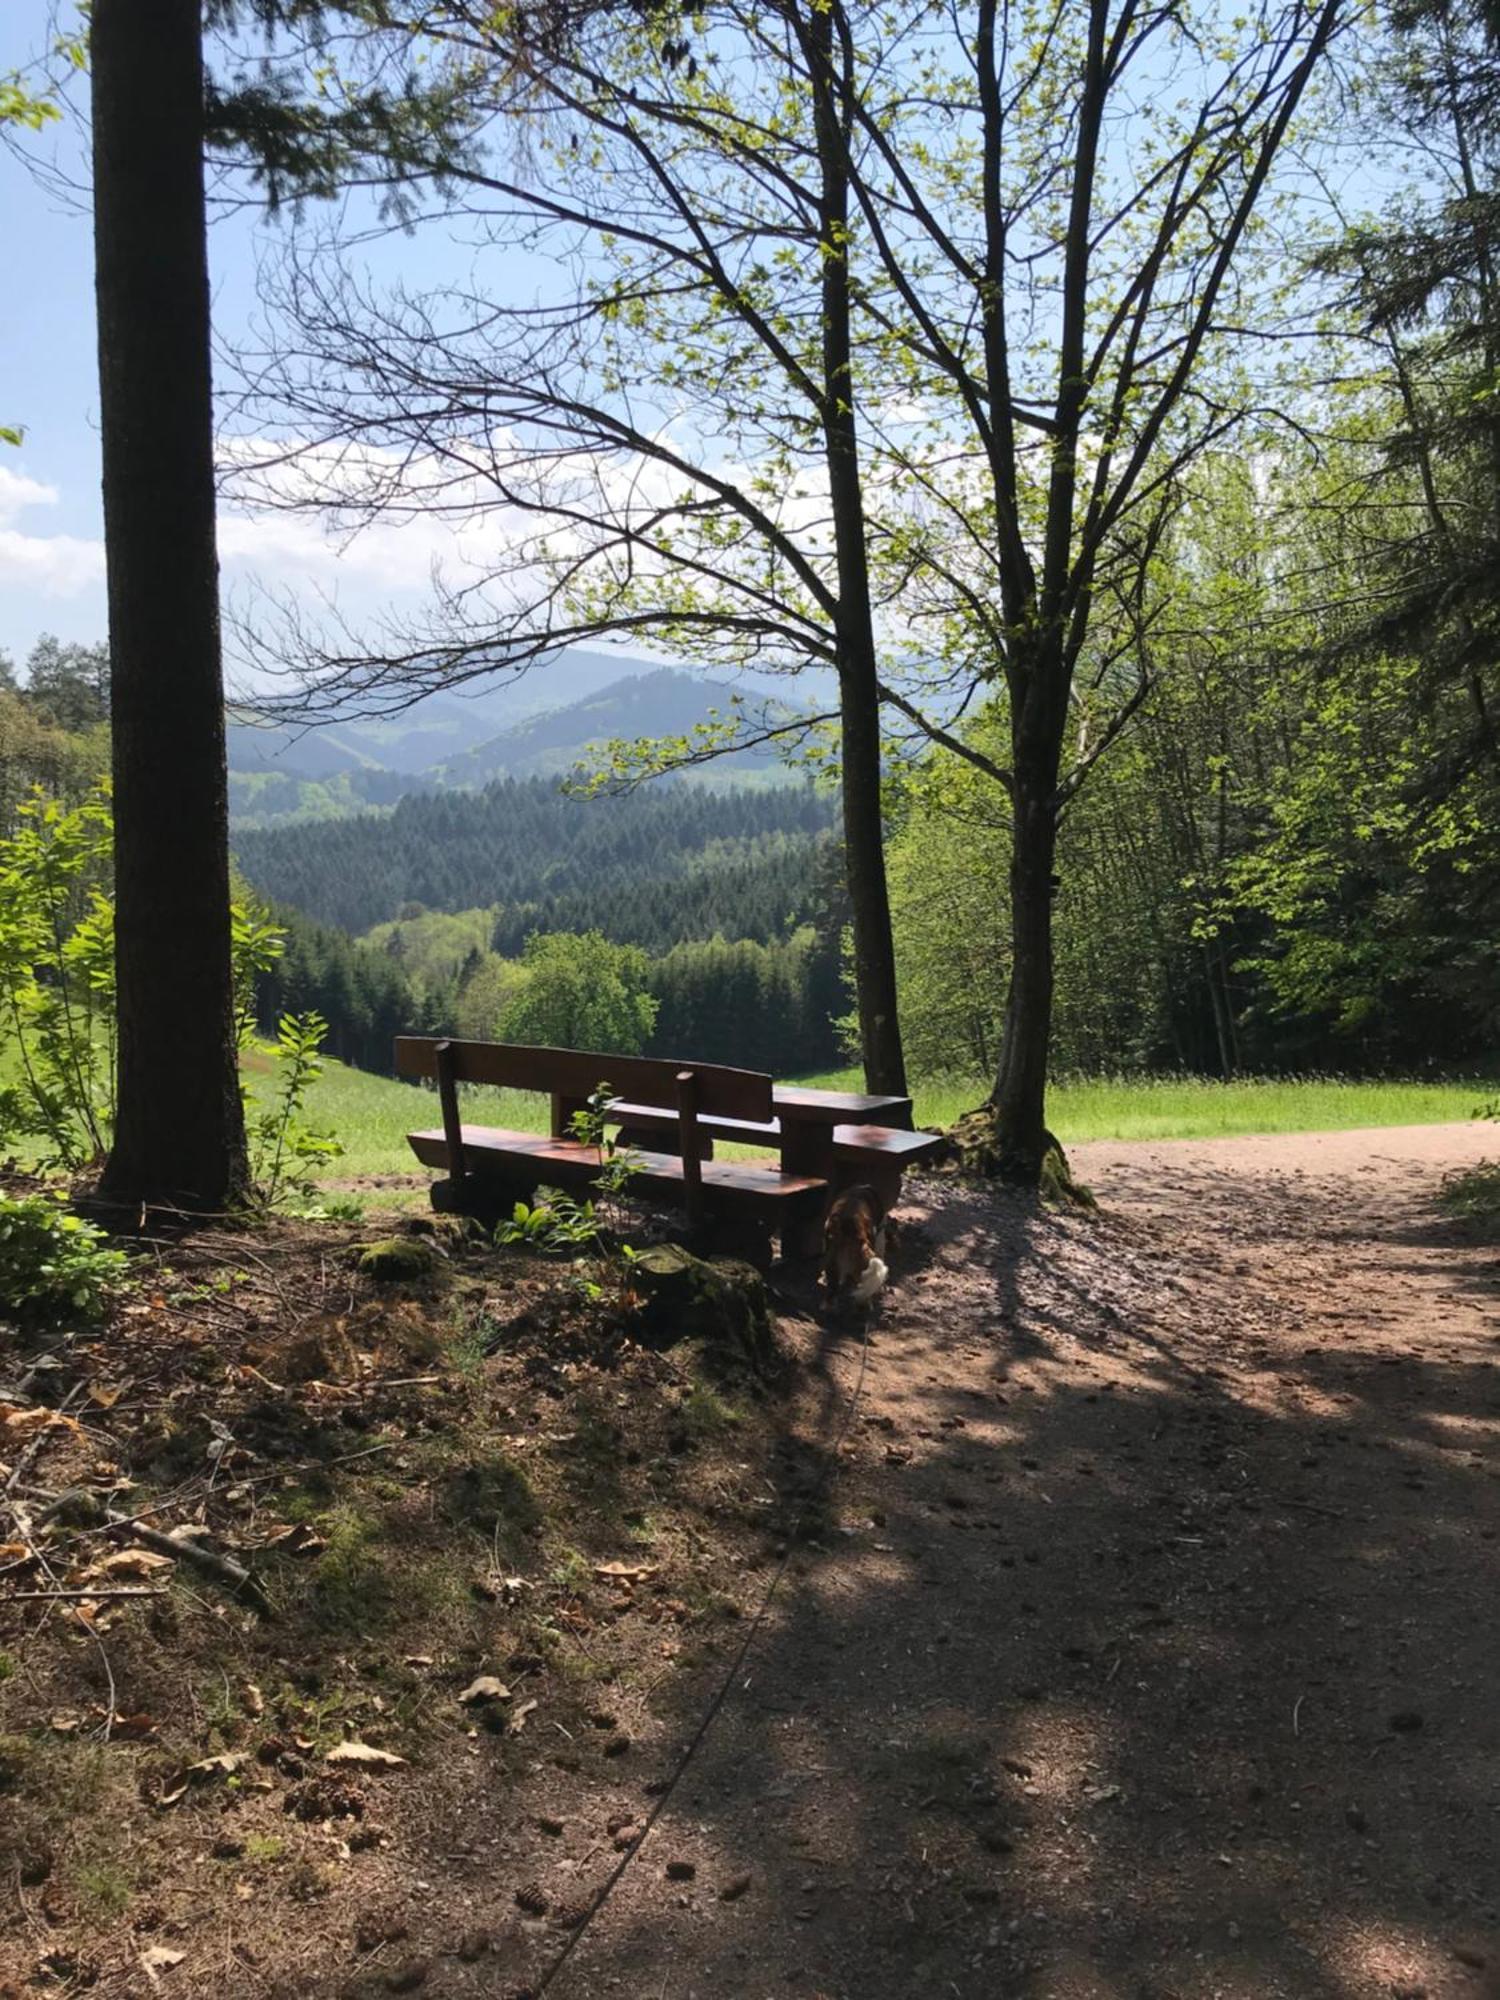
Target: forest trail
[{"x": 1147, "y": 1646}]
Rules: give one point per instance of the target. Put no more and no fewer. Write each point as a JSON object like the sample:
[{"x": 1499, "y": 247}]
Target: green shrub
[
  {"x": 53, "y": 1263},
  {"x": 57, "y": 997}
]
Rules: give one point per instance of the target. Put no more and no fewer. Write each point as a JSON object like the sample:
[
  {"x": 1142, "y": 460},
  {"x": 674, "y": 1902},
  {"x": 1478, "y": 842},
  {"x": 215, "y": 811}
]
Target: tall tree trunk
[
  {"x": 179, "y": 1135},
  {"x": 1038, "y": 718},
  {"x": 859, "y": 690},
  {"x": 1019, "y": 1096},
  {"x": 864, "y": 863}
]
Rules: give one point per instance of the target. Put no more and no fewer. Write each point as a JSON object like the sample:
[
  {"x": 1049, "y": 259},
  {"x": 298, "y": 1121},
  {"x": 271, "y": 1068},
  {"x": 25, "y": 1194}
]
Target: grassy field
[
  {"x": 1178, "y": 1107},
  {"x": 373, "y": 1114}
]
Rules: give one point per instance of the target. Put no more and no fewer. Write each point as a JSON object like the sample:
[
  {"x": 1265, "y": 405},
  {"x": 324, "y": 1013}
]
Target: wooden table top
[{"x": 833, "y": 1107}]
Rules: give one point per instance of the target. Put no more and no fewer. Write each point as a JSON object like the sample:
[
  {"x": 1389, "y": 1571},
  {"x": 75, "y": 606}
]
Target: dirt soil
[{"x": 1135, "y": 1638}]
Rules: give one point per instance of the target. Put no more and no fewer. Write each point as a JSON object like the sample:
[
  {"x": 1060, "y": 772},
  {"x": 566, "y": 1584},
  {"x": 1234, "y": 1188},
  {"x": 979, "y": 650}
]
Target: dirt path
[
  {"x": 1135, "y": 1641},
  {"x": 1149, "y": 1647}
]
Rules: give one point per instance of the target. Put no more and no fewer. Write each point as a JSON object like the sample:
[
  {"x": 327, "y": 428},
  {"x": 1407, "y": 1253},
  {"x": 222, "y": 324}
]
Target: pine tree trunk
[
  {"x": 859, "y": 690},
  {"x": 179, "y": 1134}
]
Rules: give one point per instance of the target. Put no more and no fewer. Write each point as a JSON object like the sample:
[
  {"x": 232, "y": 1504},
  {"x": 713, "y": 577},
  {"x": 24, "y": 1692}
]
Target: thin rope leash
[{"x": 721, "y": 1695}]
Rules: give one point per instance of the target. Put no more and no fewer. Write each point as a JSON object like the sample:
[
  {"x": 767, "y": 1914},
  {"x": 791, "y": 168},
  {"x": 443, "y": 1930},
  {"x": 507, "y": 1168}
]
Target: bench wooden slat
[
  {"x": 572, "y": 1073},
  {"x": 568, "y": 1162},
  {"x": 657, "y": 1118}
]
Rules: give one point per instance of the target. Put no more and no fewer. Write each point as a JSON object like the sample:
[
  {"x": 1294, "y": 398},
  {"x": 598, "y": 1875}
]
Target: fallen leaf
[
  {"x": 364, "y": 1753},
  {"x": 254, "y": 1700},
  {"x": 105, "y": 1398},
  {"x": 223, "y": 1766},
  {"x": 618, "y": 1572},
  {"x": 133, "y": 1728},
  {"x": 13, "y": 1552},
  {"x": 296, "y": 1539},
  {"x": 159, "y": 1959},
  {"x": 65, "y": 1724},
  {"x": 485, "y": 1688},
  {"x": 18, "y": 1423},
  {"x": 518, "y": 1717},
  {"x": 417, "y": 1660},
  {"x": 498, "y": 1589},
  {"x": 129, "y": 1562}
]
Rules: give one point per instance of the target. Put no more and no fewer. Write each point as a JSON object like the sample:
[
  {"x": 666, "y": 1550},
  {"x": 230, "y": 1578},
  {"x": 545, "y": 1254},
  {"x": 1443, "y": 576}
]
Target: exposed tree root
[{"x": 982, "y": 1152}]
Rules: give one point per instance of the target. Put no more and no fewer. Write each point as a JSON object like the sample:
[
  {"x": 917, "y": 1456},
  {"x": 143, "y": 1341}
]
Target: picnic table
[{"x": 669, "y": 1113}]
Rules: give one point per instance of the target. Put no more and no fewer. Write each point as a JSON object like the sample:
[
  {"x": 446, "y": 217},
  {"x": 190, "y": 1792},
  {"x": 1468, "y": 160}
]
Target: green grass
[
  {"x": 1474, "y": 1197},
  {"x": 373, "y": 1114},
  {"x": 1188, "y": 1107}
]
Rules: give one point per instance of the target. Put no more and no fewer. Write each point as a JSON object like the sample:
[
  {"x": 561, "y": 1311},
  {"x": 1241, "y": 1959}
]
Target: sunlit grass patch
[
  {"x": 1474, "y": 1197},
  {"x": 1195, "y": 1107}
]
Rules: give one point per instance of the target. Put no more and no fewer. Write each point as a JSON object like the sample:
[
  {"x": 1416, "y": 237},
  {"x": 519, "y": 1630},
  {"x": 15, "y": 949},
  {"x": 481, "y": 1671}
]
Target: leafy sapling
[{"x": 284, "y": 1150}]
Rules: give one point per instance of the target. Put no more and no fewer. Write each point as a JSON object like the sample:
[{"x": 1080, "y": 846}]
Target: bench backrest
[{"x": 571, "y": 1074}]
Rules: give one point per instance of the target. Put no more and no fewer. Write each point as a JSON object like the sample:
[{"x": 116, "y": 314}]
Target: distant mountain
[
  {"x": 417, "y": 738},
  {"x": 539, "y": 723},
  {"x": 663, "y": 703}
]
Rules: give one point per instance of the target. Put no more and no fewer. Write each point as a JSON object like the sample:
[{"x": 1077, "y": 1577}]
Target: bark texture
[
  {"x": 829, "y": 62},
  {"x": 179, "y": 1135}
]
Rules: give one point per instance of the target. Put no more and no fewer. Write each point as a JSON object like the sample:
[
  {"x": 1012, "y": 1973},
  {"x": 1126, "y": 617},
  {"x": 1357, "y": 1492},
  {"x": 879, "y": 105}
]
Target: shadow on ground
[{"x": 1144, "y": 1644}]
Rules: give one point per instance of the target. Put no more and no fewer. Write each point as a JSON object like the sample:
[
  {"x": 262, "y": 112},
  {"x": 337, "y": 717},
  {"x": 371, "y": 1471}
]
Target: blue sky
[
  {"x": 51, "y": 560},
  {"x": 51, "y": 551}
]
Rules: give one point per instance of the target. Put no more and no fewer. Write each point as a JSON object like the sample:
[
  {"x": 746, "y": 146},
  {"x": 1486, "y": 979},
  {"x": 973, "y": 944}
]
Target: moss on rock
[{"x": 399, "y": 1259}]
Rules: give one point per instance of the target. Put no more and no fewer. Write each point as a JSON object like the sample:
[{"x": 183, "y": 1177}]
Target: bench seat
[{"x": 735, "y": 1184}]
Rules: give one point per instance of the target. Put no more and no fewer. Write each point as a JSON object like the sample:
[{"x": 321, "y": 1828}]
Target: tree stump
[
  {"x": 720, "y": 1301},
  {"x": 398, "y": 1260},
  {"x": 978, "y": 1149}
]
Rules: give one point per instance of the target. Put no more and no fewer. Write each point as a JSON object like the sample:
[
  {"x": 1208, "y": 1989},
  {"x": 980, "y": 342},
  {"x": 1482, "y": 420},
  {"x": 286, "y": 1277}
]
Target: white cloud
[
  {"x": 18, "y": 492},
  {"x": 51, "y": 565},
  {"x": 356, "y": 517}
]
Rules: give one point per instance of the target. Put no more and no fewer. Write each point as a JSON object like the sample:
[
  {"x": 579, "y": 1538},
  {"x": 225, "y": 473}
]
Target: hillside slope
[
  {"x": 664, "y": 703},
  {"x": 543, "y": 721},
  {"x": 577, "y": 863}
]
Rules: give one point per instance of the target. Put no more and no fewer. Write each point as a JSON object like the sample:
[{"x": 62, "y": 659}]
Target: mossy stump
[
  {"x": 399, "y": 1260},
  {"x": 720, "y": 1301},
  {"x": 979, "y": 1149}
]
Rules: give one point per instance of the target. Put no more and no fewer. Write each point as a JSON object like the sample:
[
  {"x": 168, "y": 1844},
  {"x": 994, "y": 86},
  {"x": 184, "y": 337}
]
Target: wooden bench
[
  {"x": 488, "y": 1164},
  {"x": 669, "y": 1114}
]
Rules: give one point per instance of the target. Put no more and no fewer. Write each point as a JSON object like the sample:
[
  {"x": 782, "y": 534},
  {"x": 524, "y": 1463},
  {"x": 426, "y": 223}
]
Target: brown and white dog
[{"x": 854, "y": 1246}]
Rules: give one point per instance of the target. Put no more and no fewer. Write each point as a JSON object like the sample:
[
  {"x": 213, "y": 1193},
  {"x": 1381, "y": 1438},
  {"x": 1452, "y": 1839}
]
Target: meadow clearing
[{"x": 371, "y": 1115}]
